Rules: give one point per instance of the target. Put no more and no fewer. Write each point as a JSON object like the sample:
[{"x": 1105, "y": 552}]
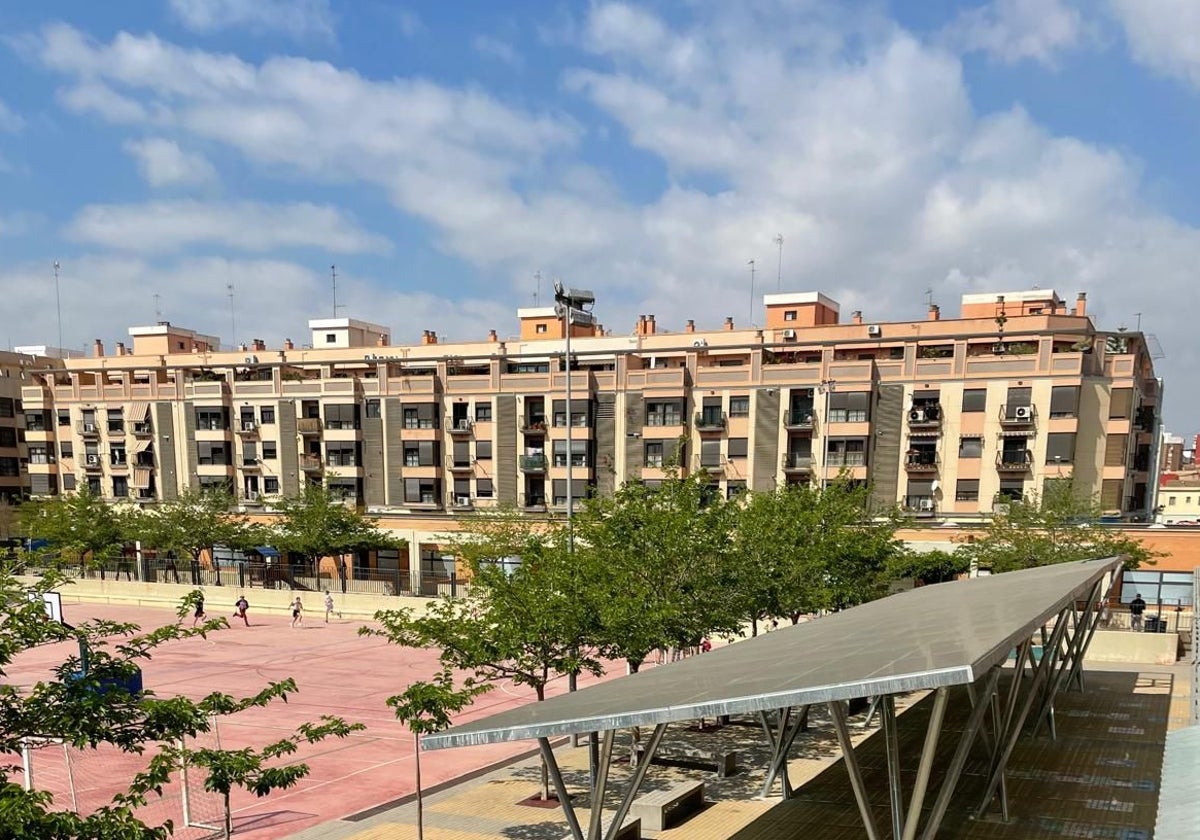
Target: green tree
[
  {"x": 934, "y": 566},
  {"x": 192, "y": 523},
  {"x": 425, "y": 707},
  {"x": 654, "y": 566},
  {"x": 318, "y": 523},
  {"x": 1056, "y": 526},
  {"x": 79, "y": 526}
]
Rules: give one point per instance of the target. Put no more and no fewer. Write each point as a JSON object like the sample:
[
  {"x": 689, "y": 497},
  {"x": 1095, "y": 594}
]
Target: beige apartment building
[{"x": 945, "y": 416}]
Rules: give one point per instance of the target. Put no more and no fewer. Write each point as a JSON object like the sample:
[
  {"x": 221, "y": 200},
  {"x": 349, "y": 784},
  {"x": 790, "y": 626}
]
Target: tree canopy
[
  {"x": 317, "y": 523},
  {"x": 80, "y": 526}
]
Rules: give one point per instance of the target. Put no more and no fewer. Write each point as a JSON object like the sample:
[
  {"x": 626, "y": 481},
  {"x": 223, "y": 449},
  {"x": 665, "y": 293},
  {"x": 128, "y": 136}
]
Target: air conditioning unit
[
  {"x": 917, "y": 415},
  {"x": 789, "y": 335},
  {"x": 89, "y": 427},
  {"x": 999, "y": 348},
  {"x": 1023, "y": 412},
  {"x": 93, "y": 460},
  {"x": 925, "y": 504},
  {"x": 700, "y": 342},
  {"x": 463, "y": 424},
  {"x": 874, "y": 330},
  {"x": 462, "y": 501},
  {"x": 249, "y": 425}
]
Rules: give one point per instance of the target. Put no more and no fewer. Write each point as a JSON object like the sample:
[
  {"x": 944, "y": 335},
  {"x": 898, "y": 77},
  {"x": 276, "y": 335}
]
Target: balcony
[
  {"x": 533, "y": 464},
  {"x": 89, "y": 430},
  {"x": 710, "y": 421},
  {"x": 92, "y": 463},
  {"x": 710, "y": 465},
  {"x": 921, "y": 507},
  {"x": 1015, "y": 461},
  {"x": 252, "y": 498},
  {"x": 141, "y": 430},
  {"x": 1016, "y": 416},
  {"x": 921, "y": 462},
  {"x": 461, "y": 503},
  {"x": 797, "y": 462},
  {"x": 310, "y": 463},
  {"x": 309, "y": 425},
  {"x": 533, "y": 423},
  {"x": 533, "y": 502},
  {"x": 459, "y": 466},
  {"x": 925, "y": 417},
  {"x": 251, "y": 464},
  {"x": 247, "y": 428},
  {"x": 460, "y": 426},
  {"x": 800, "y": 420}
]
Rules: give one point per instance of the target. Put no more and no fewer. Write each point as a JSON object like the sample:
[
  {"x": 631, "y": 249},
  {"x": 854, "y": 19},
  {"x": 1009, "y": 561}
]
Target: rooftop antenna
[
  {"x": 929, "y": 297},
  {"x": 232, "y": 316},
  {"x": 537, "y": 293},
  {"x": 58, "y": 303},
  {"x": 779, "y": 274},
  {"x": 1139, "y": 321},
  {"x": 157, "y": 308},
  {"x": 753, "y": 267},
  {"x": 333, "y": 279}
]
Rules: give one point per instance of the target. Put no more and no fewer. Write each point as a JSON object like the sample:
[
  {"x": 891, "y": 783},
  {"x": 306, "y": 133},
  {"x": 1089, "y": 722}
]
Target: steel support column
[
  {"x": 891, "y": 740},
  {"x": 837, "y": 711},
  {"x": 639, "y": 774},
  {"x": 560, "y": 788},
  {"x": 600, "y": 786},
  {"x": 926, "y": 766},
  {"x": 790, "y": 725}
]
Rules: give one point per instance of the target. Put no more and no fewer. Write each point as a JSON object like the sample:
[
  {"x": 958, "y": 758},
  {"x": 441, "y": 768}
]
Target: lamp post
[{"x": 826, "y": 389}]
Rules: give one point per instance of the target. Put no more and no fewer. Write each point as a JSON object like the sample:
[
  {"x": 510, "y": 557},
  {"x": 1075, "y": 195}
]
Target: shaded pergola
[{"x": 932, "y": 638}]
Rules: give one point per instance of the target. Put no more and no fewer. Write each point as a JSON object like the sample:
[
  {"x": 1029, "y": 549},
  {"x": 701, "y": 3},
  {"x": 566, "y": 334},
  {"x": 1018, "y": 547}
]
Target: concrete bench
[
  {"x": 631, "y": 829},
  {"x": 654, "y": 808},
  {"x": 724, "y": 763}
]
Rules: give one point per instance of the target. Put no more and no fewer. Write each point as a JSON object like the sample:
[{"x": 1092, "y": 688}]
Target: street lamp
[{"x": 826, "y": 388}]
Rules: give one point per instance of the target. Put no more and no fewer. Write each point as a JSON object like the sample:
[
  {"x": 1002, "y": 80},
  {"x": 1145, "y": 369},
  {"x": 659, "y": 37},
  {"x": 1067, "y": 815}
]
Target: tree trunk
[
  {"x": 545, "y": 791},
  {"x": 420, "y": 805},
  {"x": 753, "y": 626},
  {"x": 228, "y": 818}
]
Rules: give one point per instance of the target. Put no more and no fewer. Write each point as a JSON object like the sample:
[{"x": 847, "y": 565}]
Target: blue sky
[{"x": 442, "y": 153}]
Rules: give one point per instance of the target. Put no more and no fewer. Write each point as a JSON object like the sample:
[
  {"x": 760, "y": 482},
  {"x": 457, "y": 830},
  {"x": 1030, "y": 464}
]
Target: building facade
[{"x": 945, "y": 416}]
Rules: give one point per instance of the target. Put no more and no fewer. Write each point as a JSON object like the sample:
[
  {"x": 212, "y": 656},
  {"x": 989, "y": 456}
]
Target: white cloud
[
  {"x": 10, "y": 121},
  {"x": 162, "y": 163},
  {"x": 490, "y": 46},
  {"x": 170, "y": 226},
  {"x": 297, "y": 18},
  {"x": 1019, "y": 30},
  {"x": 1163, "y": 35}
]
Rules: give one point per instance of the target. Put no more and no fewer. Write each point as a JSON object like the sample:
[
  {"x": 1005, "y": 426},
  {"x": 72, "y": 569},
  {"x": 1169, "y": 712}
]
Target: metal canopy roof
[
  {"x": 942, "y": 635},
  {"x": 1178, "y": 813}
]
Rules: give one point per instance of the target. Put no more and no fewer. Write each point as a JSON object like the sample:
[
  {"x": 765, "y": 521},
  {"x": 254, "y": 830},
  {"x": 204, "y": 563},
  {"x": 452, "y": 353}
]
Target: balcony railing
[
  {"x": 846, "y": 459},
  {"x": 710, "y": 464},
  {"x": 247, "y": 427},
  {"x": 92, "y": 463},
  {"x": 309, "y": 425},
  {"x": 533, "y": 502},
  {"x": 928, "y": 416},
  {"x": 141, "y": 429},
  {"x": 709, "y": 421},
  {"x": 921, "y": 462},
  {"x": 460, "y": 426},
  {"x": 800, "y": 418},
  {"x": 310, "y": 463},
  {"x": 533, "y": 463},
  {"x": 88, "y": 430},
  {"x": 797, "y": 462},
  {"x": 1019, "y": 460},
  {"x": 533, "y": 423},
  {"x": 457, "y": 465},
  {"x": 1017, "y": 415}
]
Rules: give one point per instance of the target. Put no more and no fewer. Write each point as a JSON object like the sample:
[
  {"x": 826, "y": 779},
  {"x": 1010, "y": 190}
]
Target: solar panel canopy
[{"x": 932, "y": 636}]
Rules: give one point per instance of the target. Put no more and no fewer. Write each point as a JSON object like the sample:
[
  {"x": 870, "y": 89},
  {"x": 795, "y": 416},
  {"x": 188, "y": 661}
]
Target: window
[
  {"x": 970, "y": 447},
  {"x": 967, "y": 490},
  {"x": 710, "y": 453},
  {"x": 39, "y": 455},
  {"x": 120, "y": 486},
  {"x": 1121, "y": 405},
  {"x": 483, "y": 488},
  {"x": 212, "y": 419},
  {"x": 1165, "y": 588},
  {"x": 529, "y": 367},
  {"x": 1064, "y": 401},
  {"x": 424, "y": 416},
  {"x": 421, "y": 491},
  {"x": 789, "y": 315},
  {"x": 579, "y": 453},
  {"x": 343, "y": 416},
  {"x": 9, "y": 467},
  {"x": 540, "y": 328},
  {"x": 68, "y": 480},
  {"x": 64, "y": 417},
  {"x": 212, "y": 453},
  {"x": 659, "y": 413},
  {"x": 1171, "y": 501},
  {"x": 579, "y": 490},
  {"x": 435, "y": 565},
  {"x": 483, "y": 412},
  {"x": 7, "y": 407},
  {"x": 1012, "y": 491},
  {"x": 269, "y": 450},
  {"x": 270, "y": 484},
  {"x": 850, "y": 452},
  {"x": 849, "y": 406},
  {"x": 8, "y": 437},
  {"x": 654, "y": 453},
  {"x": 116, "y": 420},
  {"x": 116, "y": 455},
  {"x": 372, "y": 411},
  {"x": 974, "y": 400},
  {"x": 266, "y": 415},
  {"x": 330, "y": 338},
  {"x": 739, "y": 406},
  {"x": 739, "y": 447},
  {"x": 579, "y": 412},
  {"x": 734, "y": 489},
  {"x": 483, "y": 450},
  {"x": 422, "y": 453},
  {"x": 36, "y": 421},
  {"x": 344, "y": 454},
  {"x": 1060, "y": 448},
  {"x": 66, "y": 449}
]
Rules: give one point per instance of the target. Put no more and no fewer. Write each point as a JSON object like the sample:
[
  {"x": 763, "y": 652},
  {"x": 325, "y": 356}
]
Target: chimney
[
  {"x": 856, "y": 316},
  {"x": 492, "y": 337},
  {"x": 120, "y": 348},
  {"x": 691, "y": 326},
  {"x": 429, "y": 337},
  {"x": 650, "y": 327},
  {"x": 381, "y": 341},
  {"x": 935, "y": 312},
  {"x": 641, "y": 325},
  {"x": 729, "y": 323},
  {"x": 259, "y": 345},
  {"x": 98, "y": 348},
  {"x": 1081, "y": 305},
  {"x": 288, "y": 345}
]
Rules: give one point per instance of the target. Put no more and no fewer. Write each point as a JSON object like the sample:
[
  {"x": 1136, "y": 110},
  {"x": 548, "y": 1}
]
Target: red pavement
[{"x": 337, "y": 672}]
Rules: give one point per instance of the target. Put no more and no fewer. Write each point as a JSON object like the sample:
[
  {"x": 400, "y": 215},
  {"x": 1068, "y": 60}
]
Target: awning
[
  {"x": 141, "y": 477},
  {"x": 924, "y": 433},
  {"x": 139, "y": 411},
  {"x": 142, "y": 444},
  {"x": 267, "y": 551},
  {"x": 1021, "y": 433}
]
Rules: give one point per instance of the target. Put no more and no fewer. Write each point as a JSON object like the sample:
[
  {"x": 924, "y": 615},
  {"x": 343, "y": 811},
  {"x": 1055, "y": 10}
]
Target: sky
[{"x": 444, "y": 155}]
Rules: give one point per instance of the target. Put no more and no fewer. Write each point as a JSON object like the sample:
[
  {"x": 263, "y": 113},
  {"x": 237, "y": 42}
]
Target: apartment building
[
  {"x": 943, "y": 416},
  {"x": 14, "y": 455}
]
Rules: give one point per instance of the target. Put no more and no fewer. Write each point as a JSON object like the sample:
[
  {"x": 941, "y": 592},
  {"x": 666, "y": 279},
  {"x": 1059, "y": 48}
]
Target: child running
[
  {"x": 297, "y": 612},
  {"x": 199, "y": 613},
  {"x": 328, "y": 606},
  {"x": 242, "y": 606}
]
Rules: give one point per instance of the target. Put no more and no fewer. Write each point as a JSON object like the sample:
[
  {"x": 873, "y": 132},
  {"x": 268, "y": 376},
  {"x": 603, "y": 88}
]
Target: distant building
[
  {"x": 14, "y": 454},
  {"x": 1172, "y": 453}
]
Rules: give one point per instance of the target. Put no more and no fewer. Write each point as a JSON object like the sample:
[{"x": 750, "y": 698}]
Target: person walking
[
  {"x": 328, "y": 605},
  {"x": 242, "y": 606},
  {"x": 297, "y": 612},
  {"x": 199, "y": 613},
  {"x": 1136, "y": 607},
  {"x": 170, "y": 567}
]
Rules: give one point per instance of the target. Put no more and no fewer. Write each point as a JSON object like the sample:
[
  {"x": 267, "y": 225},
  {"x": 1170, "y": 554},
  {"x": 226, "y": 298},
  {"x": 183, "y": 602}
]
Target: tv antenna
[
  {"x": 779, "y": 273},
  {"x": 753, "y": 268},
  {"x": 157, "y": 308},
  {"x": 58, "y": 303},
  {"x": 929, "y": 297},
  {"x": 537, "y": 292},
  {"x": 333, "y": 280},
  {"x": 232, "y": 316}
]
